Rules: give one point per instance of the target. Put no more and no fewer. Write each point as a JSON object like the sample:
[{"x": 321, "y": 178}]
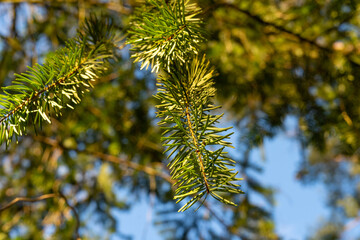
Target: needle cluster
[
  {"x": 44, "y": 90},
  {"x": 163, "y": 33},
  {"x": 166, "y": 37}
]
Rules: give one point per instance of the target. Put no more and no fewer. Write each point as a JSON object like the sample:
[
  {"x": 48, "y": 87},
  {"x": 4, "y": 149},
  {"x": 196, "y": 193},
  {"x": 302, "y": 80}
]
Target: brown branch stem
[
  {"x": 27, "y": 199},
  {"x": 197, "y": 148},
  {"x": 44, "y": 197},
  {"x": 258, "y": 19},
  {"x": 136, "y": 166},
  {"x": 110, "y": 158},
  {"x": 194, "y": 138},
  {"x": 276, "y": 26},
  {"x": 77, "y": 218}
]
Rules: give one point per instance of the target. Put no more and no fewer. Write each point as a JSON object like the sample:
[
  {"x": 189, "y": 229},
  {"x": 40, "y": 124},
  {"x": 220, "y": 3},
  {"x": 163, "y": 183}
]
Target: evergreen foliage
[
  {"x": 59, "y": 82},
  {"x": 164, "y": 33},
  {"x": 190, "y": 134},
  {"x": 166, "y": 37},
  {"x": 274, "y": 63}
]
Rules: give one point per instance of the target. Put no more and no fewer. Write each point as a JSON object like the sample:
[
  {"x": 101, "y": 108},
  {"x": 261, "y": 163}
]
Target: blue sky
[{"x": 298, "y": 208}]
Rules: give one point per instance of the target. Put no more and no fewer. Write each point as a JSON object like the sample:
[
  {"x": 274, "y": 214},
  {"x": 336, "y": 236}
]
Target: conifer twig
[
  {"x": 60, "y": 82},
  {"x": 166, "y": 36}
]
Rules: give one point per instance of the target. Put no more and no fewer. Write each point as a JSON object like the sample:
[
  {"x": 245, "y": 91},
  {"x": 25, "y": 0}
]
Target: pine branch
[{"x": 46, "y": 89}]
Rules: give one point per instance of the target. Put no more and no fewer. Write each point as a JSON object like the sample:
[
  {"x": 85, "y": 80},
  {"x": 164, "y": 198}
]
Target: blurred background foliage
[{"x": 275, "y": 59}]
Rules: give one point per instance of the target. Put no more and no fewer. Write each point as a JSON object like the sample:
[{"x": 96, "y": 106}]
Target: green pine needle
[
  {"x": 59, "y": 83},
  {"x": 198, "y": 161},
  {"x": 163, "y": 33},
  {"x": 166, "y": 36}
]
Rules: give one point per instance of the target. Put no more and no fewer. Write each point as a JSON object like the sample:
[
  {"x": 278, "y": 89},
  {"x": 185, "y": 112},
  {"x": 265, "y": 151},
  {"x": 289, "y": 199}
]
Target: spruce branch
[
  {"x": 163, "y": 33},
  {"x": 199, "y": 165},
  {"x": 166, "y": 36},
  {"x": 59, "y": 82}
]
